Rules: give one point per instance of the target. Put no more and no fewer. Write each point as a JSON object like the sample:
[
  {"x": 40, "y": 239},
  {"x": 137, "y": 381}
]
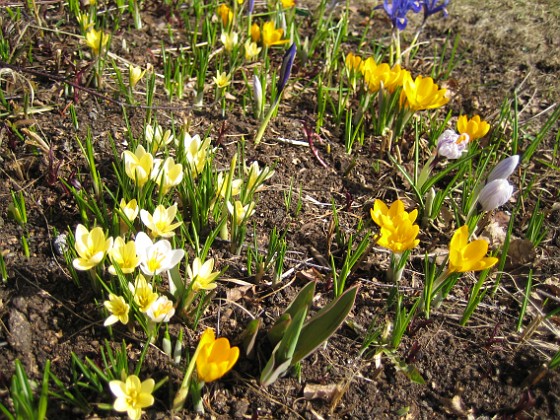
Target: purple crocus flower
[
  {"x": 251, "y": 6},
  {"x": 397, "y": 10},
  {"x": 286, "y": 69},
  {"x": 431, "y": 7}
]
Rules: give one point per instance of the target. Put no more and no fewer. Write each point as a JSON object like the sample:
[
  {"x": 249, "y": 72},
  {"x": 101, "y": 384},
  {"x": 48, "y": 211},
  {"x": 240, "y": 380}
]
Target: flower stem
[
  {"x": 181, "y": 396},
  {"x": 266, "y": 120}
]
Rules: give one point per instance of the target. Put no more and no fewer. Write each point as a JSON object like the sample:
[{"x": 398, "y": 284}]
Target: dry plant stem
[{"x": 310, "y": 135}]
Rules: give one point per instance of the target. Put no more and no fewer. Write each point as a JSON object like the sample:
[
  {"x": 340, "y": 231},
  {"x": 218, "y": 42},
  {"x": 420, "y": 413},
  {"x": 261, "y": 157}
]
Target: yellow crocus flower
[
  {"x": 239, "y": 212},
  {"x": 142, "y": 293},
  {"x": 215, "y": 358},
  {"x": 422, "y": 93},
  {"x": 96, "y": 40},
  {"x": 225, "y": 13},
  {"x": 401, "y": 238},
  {"x": 353, "y": 62},
  {"x": 161, "y": 222},
  {"x": 398, "y": 231},
  {"x": 255, "y": 32},
  {"x": 138, "y": 165},
  {"x": 368, "y": 64},
  {"x": 286, "y": 4},
  {"x": 251, "y": 50},
  {"x": 167, "y": 174},
  {"x": 474, "y": 128},
  {"x": 201, "y": 275},
  {"x": 389, "y": 217},
  {"x": 468, "y": 256},
  {"x": 135, "y": 74},
  {"x": 221, "y": 79},
  {"x": 272, "y": 36}
]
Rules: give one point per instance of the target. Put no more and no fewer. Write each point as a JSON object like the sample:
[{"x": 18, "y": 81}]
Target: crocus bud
[
  {"x": 286, "y": 69},
  {"x": 134, "y": 75},
  {"x": 451, "y": 145},
  {"x": 257, "y": 94},
  {"x": 495, "y": 194},
  {"x": 504, "y": 169}
]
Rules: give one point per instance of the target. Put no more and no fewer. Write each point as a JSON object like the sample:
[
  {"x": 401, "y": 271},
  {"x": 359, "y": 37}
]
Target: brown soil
[{"x": 479, "y": 370}]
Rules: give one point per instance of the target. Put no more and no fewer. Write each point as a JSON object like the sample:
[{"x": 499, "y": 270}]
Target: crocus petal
[
  {"x": 286, "y": 69},
  {"x": 460, "y": 238},
  {"x": 495, "y": 194},
  {"x": 504, "y": 169},
  {"x": 476, "y": 250}
]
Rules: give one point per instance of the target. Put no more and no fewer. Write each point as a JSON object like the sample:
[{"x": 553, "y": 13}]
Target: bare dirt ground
[{"x": 506, "y": 48}]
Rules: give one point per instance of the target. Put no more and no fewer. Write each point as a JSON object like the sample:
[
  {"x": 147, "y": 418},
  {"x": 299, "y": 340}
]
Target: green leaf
[
  {"x": 302, "y": 300},
  {"x": 249, "y": 336},
  {"x": 276, "y": 333},
  {"x": 281, "y": 357},
  {"x": 320, "y": 327},
  {"x": 44, "y": 397}
]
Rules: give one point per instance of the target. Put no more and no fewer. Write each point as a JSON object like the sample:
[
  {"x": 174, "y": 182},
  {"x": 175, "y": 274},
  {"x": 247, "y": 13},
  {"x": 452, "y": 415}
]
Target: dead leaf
[
  {"x": 456, "y": 406},
  {"x": 237, "y": 293},
  {"x": 520, "y": 252},
  {"x": 321, "y": 392},
  {"x": 311, "y": 274},
  {"x": 495, "y": 233}
]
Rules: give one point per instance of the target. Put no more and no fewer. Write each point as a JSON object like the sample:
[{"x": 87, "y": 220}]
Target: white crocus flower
[
  {"x": 504, "y": 168},
  {"x": 452, "y": 145},
  {"x": 161, "y": 222},
  {"x": 240, "y": 212},
  {"x": 158, "y": 257},
  {"x": 161, "y": 310},
  {"x": 257, "y": 176},
  {"x": 230, "y": 40},
  {"x": 197, "y": 152},
  {"x": 498, "y": 190},
  {"x": 167, "y": 174},
  {"x": 495, "y": 194}
]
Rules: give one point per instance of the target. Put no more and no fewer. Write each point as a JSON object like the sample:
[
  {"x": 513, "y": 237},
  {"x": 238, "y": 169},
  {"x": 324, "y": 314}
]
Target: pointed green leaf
[
  {"x": 281, "y": 357},
  {"x": 249, "y": 336},
  {"x": 320, "y": 327},
  {"x": 276, "y": 333},
  {"x": 303, "y": 299}
]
